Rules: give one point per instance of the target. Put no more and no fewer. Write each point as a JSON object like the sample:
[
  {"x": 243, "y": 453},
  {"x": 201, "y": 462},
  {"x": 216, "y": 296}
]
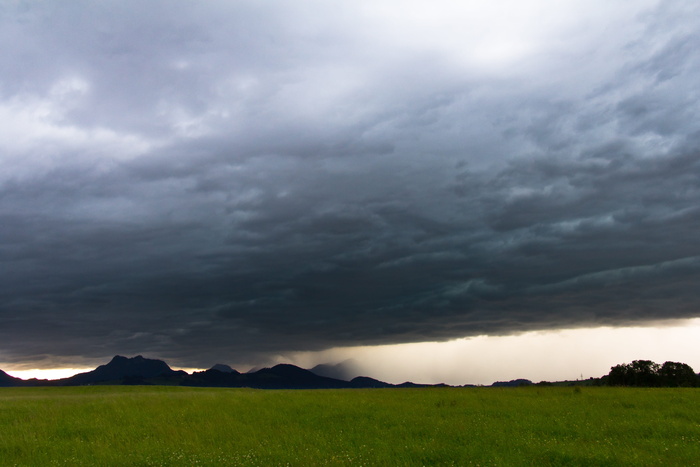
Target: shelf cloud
[{"x": 229, "y": 180}]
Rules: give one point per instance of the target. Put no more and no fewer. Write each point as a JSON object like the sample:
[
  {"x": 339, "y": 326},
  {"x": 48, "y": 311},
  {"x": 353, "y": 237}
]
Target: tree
[
  {"x": 676, "y": 374},
  {"x": 646, "y": 373},
  {"x": 618, "y": 376}
]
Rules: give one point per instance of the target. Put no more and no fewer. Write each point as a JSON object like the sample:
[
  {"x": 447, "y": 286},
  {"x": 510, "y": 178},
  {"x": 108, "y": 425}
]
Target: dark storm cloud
[{"x": 224, "y": 181}]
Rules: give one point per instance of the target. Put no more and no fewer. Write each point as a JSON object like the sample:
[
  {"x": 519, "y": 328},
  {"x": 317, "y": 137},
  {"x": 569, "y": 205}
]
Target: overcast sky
[{"x": 224, "y": 181}]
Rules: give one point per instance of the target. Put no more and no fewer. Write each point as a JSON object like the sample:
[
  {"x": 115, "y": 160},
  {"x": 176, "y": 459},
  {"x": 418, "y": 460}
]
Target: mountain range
[{"x": 145, "y": 371}]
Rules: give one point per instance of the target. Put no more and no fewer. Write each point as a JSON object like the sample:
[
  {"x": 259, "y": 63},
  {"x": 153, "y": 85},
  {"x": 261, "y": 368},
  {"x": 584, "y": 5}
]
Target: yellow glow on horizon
[
  {"x": 43, "y": 373},
  {"x": 58, "y": 373},
  {"x": 553, "y": 355}
]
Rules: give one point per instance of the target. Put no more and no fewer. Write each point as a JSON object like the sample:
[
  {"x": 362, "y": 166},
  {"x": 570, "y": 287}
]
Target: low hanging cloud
[{"x": 219, "y": 182}]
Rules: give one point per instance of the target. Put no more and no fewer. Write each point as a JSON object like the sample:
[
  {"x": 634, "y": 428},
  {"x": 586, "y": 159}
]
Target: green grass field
[{"x": 123, "y": 425}]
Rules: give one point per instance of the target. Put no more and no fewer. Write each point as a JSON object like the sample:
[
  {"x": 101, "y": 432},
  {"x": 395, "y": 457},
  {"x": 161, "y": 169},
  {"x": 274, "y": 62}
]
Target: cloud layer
[{"x": 213, "y": 181}]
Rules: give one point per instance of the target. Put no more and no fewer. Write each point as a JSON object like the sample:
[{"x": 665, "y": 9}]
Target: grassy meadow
[{"x": 131, "y": 425}]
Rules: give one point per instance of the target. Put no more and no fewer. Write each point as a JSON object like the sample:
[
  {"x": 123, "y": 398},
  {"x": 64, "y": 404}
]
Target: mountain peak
[
  {"x": 345, "y": 370},
  {"x": 121, "y": 367},
  {"x": 7, "y": 380},
  {"x": 223, "y": 368},
  {"x": 286, "y": 369}
]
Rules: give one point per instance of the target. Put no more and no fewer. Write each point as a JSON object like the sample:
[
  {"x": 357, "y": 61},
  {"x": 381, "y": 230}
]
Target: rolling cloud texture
[{"x": 211, "y": 180}]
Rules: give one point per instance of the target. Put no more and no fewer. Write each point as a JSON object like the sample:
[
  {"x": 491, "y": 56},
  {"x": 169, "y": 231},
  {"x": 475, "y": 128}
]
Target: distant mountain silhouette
[
  {"x": 409, "y": 384},
  {"x": 124, "y": 370},
  {"x": 367, "y": 382},
  {"x": 223, "y": 368},
  {"x": 512, "y": 383},
  {"x": 293, "y": 377},
  {"x": 278, "y": 377},
  {"x": 345, "y": 370},
  {"x": 214, "y": 378},
  {"x": 8, "y": 381},
  {"x": 139, "y": 370}
]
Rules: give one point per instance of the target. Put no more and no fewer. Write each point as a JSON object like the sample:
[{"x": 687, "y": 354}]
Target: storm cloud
[{"x": 220, "y": 181}]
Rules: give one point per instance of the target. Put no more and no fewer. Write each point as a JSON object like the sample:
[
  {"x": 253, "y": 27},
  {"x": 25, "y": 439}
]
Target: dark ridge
[
  {"x": 124, "y": 370},
  {"x": 367, "y": 382},
  {"x": 409, "y": 384},
  {"x": 278, "y": 377},
  {"x": 292, "y": 377},
  {"x": 215, "y": 378},
  {"x": 7, "y": 381},
  {"x": 223, "y": 368},
  {"x": 143, "y": 371},
  {"x": 512, "y": 383}
]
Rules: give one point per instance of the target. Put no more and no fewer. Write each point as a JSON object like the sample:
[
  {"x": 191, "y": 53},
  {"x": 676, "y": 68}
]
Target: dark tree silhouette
[
  {"x": 617, "y": 376},
  {"x": 646, "y": 373},
  {"x": 676, "y": 374}
]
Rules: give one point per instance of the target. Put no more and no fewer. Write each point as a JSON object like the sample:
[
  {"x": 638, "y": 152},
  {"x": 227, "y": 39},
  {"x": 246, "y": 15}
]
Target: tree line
[{"x": 645, "y": 373}]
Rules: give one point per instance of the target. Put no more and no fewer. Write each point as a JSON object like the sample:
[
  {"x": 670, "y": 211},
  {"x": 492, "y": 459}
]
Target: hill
[
  {"x": 144, "y": 371},
  {"x": 8, "y": 381},
  {"x": 123, "y": 370}
]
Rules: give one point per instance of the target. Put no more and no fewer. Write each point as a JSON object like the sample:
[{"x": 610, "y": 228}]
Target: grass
[{"x": 150, "y": 426}]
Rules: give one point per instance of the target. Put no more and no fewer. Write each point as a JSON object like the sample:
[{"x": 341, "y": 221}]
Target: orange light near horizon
[
  {"x": 58, "y": 373},
  {"x": 53, "y": 373}
]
